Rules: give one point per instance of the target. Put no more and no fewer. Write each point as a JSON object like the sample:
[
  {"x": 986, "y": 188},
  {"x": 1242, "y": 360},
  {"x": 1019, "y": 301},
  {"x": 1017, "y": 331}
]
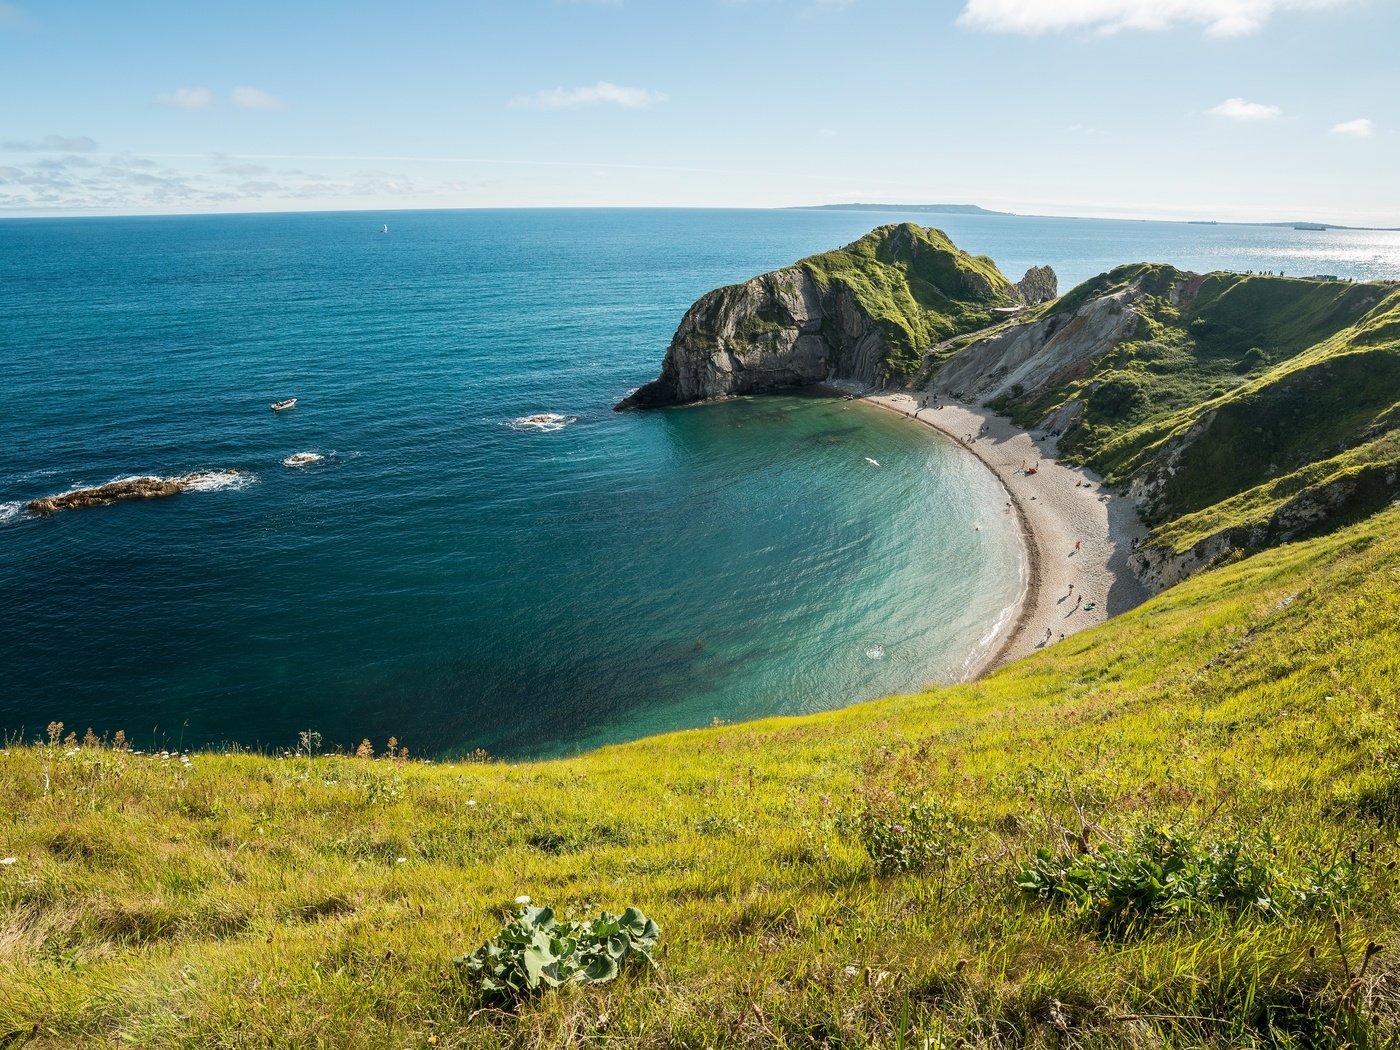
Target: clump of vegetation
[
  {"x": 1157, "y": 873},
  {"x": 915, "y": 836},
  {"x": 536, "y": 951}
]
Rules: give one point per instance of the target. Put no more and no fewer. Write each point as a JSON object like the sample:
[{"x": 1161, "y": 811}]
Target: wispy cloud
[
  {"x": 12, "y": 17},
  {"x": 187, "y": 98},
  {"x": 1239, "y": 109},
  {"x": 1362, "y": 128},
  {"x": 56, "y": 144},
  {"x": 1219, "y": 18},
  {"x": 600, "y": 93},
  {"x": 253, "y": 98}
]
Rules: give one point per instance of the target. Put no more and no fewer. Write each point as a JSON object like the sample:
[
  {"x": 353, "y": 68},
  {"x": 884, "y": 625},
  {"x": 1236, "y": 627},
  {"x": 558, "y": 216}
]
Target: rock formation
[
  {"x": 1040, "y": 285},
  {"x": 865, "y": 312},
  {"x": 1026, "y": 358},
  {"x": 126, "y": 489}
]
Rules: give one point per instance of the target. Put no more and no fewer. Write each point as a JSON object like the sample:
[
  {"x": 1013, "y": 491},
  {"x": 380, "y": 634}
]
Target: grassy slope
[
  {"x": 257, "y": 901},
  {"x": 917, "y": 285},
  {"x": 1293, "y": 376}
]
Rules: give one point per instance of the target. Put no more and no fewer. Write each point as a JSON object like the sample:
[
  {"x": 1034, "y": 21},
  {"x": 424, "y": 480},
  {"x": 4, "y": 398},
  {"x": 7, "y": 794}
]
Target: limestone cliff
[
  {"x": 1025, "y": 359},
  {"x": 865, "y": 312},
  {"x": 1040, "y": 285}
]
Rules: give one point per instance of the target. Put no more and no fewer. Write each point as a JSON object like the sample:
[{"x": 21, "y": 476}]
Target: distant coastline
[{"x": 977, "y": 209}]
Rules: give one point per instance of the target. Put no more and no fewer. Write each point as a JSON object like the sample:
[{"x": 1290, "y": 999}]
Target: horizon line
[{"x": 864, "y": 206}]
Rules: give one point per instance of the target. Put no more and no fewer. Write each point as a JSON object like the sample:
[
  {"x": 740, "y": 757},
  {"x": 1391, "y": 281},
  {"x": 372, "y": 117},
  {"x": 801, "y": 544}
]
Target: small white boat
[
  {"x": 386, "y": 227},
  {"x": 282, "y": 406}
]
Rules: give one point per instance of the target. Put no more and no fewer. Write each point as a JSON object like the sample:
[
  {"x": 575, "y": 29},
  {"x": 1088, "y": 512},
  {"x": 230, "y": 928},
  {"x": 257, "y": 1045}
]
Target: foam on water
[
  {"x": 545, "y": 422},
  {"x": 875, "y": 652},
  {"x": 12, "y": 512},
  {"x": 219, "y": 480},
  {"x": 303, "y": 459}
]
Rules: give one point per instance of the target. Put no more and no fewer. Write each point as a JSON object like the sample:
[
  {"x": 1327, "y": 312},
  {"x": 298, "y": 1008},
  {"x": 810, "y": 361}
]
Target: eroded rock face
[
  {"x": 1040, "y": 285},
  {"x": 126, "y": 489},
  {"x": 1023, "y": 359},
  {"x": 774, "y": 332},
  {"x": 1314, "y": 508}
]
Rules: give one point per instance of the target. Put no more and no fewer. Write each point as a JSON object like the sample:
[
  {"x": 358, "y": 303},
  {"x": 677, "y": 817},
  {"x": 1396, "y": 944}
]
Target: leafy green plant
[
  {"x": 915, "y": 836},
  {"x": 536, "y": 950},
  {"x": 1158, "y": 873}
]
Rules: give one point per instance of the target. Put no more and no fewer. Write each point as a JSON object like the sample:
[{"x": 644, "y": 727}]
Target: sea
[{"x": 452, "y": 539}]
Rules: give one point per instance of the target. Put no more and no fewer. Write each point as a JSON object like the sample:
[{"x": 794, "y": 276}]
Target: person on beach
[{"x": 1076, "y": 544}]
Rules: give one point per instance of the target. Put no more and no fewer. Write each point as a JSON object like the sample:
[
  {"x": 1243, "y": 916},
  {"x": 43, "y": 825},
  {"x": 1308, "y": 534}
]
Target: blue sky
[{"x": 1229, "y": 109}]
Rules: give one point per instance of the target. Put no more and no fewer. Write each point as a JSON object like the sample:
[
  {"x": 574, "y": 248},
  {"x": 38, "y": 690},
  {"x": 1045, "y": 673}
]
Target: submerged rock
[{"x": 125, "y": 489}]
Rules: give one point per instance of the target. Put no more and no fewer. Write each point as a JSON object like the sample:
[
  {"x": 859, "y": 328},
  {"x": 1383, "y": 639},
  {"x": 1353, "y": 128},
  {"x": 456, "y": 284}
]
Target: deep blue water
[{"x": 441, "y": 575}]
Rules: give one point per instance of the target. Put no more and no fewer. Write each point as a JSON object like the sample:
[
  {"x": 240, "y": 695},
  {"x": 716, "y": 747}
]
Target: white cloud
[
  {"x": 252, "y": 98},
  {"x": 603, "y": 91},
  {"x": 1357, "y": 129},
  {"x": 187, "y": 98},
  {"x": 56, "y": 144},
  {"x": 1239, "y": 109},
  {"x": 1220, "y": 18}
]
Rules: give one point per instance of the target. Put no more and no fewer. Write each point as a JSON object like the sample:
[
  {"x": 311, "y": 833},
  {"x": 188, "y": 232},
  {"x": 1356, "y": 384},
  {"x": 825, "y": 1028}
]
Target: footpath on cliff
[{"x": 1075, "y": 531}]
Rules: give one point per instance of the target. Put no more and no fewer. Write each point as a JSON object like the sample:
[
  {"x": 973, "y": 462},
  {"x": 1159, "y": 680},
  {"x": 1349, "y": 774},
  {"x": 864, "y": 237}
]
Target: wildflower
[
  {"x": 401, "y": 860},
  {"x": 524, "y": 898},
  {"x": 9, "y": 860},
  {"x": 851, "y": 971},
  {"x": 471, "y": 802},
  {"x": 898, "y": 829}
]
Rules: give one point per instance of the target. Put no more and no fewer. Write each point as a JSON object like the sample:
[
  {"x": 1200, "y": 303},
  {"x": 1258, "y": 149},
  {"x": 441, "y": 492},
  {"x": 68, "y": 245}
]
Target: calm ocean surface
[{"x": 442, "y": 574}]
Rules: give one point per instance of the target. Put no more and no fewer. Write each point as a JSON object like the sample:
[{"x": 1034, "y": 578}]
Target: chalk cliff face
[
  {"x": 865, "y": 312},
  {"x": 1024, "y": 359}
]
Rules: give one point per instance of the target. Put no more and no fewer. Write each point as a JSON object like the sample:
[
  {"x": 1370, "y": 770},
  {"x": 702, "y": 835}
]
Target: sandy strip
[{"x": 1074, "y": 530}]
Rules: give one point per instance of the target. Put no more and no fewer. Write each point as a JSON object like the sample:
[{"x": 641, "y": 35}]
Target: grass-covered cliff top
[
  {"x": 916, "y": 284},
  {"x": 1237, "y": 393},
  {"x": 1224, "y": 761}
]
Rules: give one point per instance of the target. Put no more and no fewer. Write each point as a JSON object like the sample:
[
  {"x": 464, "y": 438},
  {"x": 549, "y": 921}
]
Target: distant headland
[{"x": 977, "y": 209}]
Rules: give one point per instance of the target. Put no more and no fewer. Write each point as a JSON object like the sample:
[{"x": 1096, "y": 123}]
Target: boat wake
[
  {"x": 544, "y": 422},
  {"x": 303, "y": 459},
  {"x": 875, "y": 652}
]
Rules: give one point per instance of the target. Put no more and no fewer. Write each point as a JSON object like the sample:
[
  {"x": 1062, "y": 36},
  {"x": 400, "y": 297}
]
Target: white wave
[
  {"x": 545, "y": 422},
  {"x": 302, "y": 459},
  {"x": 875, "y": 652},
  {"x": 217, "y": 480},
  {"x": 11, "y": 512},
  {"x": 872, "y": 462}
]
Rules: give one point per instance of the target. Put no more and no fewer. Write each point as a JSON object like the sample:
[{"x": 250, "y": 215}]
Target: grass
[
  {"x": 915, "y": 285},
  {"x": 842, "y": 880},
  {"x": 1238, "y": 397}
]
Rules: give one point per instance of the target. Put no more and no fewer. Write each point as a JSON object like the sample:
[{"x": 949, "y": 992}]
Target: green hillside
[
  {"x": 916, "y": 285},
  {"x": 1236, "y": 394},
  {"x": 1247, "y": 719}
]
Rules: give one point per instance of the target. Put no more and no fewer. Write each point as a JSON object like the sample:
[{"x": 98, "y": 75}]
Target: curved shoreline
[{"x": 1072, "y": 530}]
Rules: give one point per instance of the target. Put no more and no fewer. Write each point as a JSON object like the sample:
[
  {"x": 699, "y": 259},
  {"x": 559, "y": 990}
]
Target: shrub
[
  {"x": 1157, "y": 873},
  {"x": 917, "y": 836},
  {"x": 536, "y": 951}
]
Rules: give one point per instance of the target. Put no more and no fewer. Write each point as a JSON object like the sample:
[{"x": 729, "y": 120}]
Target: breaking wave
[
  {"x": 303, "y": 459},
  {"x": 544, "y": 422}
]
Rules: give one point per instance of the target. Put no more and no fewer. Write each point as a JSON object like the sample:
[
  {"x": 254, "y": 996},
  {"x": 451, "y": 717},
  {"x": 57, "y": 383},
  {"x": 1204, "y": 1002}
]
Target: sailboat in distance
[{"x": 386, "y": 227}]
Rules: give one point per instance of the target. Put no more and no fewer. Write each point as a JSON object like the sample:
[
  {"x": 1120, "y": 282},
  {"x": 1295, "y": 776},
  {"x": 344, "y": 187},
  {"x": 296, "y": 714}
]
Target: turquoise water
[{"x": 444, "y": 573}]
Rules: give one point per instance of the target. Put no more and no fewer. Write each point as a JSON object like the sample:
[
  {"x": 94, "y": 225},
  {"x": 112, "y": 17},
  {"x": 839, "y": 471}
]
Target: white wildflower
[
  {"x": 524, "y": 898},
  {"x": 471, "y": 802},
  {"x": 401, "y": 860},
  {"x": 9, "y": 860}
]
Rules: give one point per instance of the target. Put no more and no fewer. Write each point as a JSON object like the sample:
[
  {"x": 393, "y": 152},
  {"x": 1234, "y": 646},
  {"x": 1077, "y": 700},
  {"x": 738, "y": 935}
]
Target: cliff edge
[{"x": 866, "y": 312}]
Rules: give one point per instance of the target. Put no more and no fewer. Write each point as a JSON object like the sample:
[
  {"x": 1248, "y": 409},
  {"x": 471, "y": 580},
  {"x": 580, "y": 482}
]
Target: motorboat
[{"x": 282, "y": 406}]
